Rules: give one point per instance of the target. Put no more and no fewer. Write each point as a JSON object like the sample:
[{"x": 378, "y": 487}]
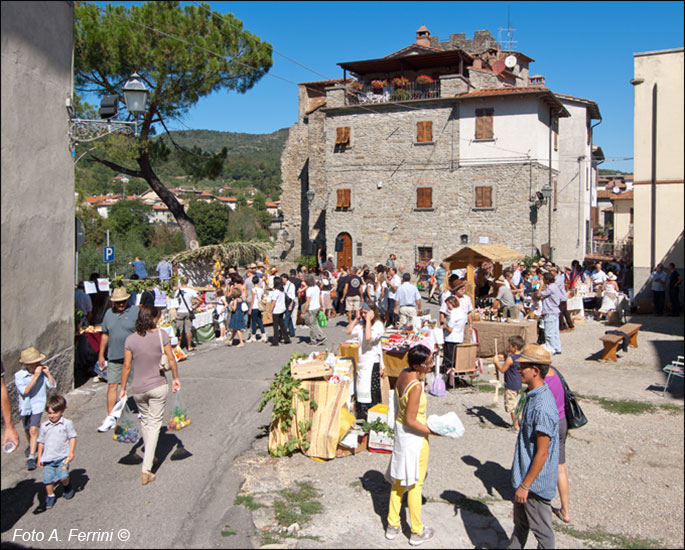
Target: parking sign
[{"x": 108, "y": 254}]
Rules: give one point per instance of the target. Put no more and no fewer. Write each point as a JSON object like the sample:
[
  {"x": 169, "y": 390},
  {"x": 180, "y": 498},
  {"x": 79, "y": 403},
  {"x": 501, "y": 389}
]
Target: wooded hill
[{"x": 253, "y": 160}]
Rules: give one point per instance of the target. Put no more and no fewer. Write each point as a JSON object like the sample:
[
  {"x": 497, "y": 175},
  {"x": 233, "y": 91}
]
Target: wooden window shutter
[
  {"x": 424, "y": 197},
  {"x": 484, "y": 197},
  {"x": 342, "y": 135},
  {"x": 347, "y": 198},
  {"x": 555, "y": 195},
  {"x": 484, "y": 127},
  {"x": 424, "y": 131},
  {"x": 339, "y": 194}
]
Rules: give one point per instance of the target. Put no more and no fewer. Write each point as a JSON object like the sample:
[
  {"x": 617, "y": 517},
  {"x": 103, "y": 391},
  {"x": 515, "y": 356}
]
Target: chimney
[
  {"x": 536, "y": 80},
  {"x": 423, "y": 37}
]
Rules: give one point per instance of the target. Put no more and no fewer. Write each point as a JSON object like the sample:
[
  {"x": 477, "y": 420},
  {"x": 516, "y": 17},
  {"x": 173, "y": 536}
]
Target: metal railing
[{"x": 390, "y": 94}]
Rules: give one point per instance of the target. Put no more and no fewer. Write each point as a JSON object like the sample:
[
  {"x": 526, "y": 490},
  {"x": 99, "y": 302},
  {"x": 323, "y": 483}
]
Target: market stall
[
  {"x": 471, "y": 257},
  {"x": 489, "y": 331}
]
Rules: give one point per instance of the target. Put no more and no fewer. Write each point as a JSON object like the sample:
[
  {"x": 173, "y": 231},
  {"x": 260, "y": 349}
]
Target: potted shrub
[
  {"x": 400, "y": 82},
  {"x": 378, "y": 84},
  {"x": 400, "y": 94},
  {"x": 356, "y": 86},
  {"x": 424, "y": 79}
]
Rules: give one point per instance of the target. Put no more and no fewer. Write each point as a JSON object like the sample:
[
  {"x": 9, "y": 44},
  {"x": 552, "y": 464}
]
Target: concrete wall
[
  {"x": 573, "y": 184},
  {"x": 665, "y": 70},
  {"x": 37, "y": 186}
]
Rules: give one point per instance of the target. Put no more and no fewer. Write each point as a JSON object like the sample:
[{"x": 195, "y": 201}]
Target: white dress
[{"x": 370, "y": 353}]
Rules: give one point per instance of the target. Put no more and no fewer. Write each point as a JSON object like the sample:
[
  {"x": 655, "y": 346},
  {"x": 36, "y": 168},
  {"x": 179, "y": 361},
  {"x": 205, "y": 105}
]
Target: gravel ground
[{"x": 626, "y": 470}]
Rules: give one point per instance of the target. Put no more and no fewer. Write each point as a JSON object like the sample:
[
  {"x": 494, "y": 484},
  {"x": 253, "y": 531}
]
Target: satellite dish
[
  {"x": 510, "y": 61},
  {"x": 616, "y": 189},
  {"x": 498, "y": 66},
  {"x": 194, "y": 245}
]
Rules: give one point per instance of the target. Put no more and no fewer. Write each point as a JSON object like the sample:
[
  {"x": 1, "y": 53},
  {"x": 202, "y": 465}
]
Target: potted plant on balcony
[
  {"x": 424, "y": 79},
  {"x": 356, "y": 86},
  {"x": 400, "y": 94},
  {"x": 400, "y": 82},
  {"x": 378, "y": 85}
]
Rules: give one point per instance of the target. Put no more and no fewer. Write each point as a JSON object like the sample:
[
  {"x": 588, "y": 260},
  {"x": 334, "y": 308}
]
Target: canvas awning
[{"x": 476, "y": 254}]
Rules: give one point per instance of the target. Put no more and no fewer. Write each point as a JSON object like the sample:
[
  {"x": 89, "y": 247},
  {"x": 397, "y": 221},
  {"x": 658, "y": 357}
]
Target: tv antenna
[{"x": 507, "y": 44}]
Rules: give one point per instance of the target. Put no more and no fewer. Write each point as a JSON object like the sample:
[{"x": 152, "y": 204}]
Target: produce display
[
  {"x": 179, "y": 419},
  {"x": 399, "y": 342},
  {"x": 126, "y": 432}
]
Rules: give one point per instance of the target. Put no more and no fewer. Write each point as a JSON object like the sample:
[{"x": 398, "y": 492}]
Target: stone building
[
  {"x": 38, "y": 227},
  {"x": 455, "y": 152}
]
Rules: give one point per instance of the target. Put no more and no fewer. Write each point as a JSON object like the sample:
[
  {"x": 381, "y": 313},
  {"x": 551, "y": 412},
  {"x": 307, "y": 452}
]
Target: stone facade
[{"x": 38, "y": 186}]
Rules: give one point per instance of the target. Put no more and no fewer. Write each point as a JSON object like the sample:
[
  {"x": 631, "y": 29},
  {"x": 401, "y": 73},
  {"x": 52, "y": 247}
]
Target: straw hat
[
  {"x": 119, "y": 295},
  {"x": 231, "y": 270},
  {"x": 252, "y": 266},
  {"x": 532, "y": 353},
  {"x": 611, "y": 277},
  {"x": 260, "y": 264},
  {"x": 31, "y": 355},
  {"x": 459, "y": 284},
  {"x": 501, "y": 280}
]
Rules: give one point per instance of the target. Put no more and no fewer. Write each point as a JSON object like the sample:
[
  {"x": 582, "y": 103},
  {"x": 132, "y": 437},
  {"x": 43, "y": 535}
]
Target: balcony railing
[{"x": 390, "y": 94}]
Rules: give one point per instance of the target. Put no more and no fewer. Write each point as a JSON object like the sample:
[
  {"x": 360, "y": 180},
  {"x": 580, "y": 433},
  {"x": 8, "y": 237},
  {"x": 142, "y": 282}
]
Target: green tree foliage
[
  {"x": 130, "y": 219},
  {"x": 246, "y": 225},
  {"x": 182, "y": 55},
  {"x": 211, "y": 221}
]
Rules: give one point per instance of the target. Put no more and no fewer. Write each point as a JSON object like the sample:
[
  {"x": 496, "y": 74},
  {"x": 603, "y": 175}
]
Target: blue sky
[{"x": 583, "y": 49}]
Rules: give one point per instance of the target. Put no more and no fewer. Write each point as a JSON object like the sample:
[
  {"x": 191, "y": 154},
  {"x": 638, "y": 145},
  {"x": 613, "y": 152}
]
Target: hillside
[{"x": 254, "y": 160}]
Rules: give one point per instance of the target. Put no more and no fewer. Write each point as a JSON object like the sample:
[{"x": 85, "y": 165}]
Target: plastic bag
[
  {"x": 178, "y": 418},
  {"x": 126, "y": 429},
  {"x": 322, "y": 319},
  {"x": 438, "y": 387},
  {"x": 447, "y": 424}
]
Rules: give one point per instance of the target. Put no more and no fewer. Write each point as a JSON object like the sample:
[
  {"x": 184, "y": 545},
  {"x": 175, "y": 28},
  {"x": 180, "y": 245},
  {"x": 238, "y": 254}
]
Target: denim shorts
[{"x": 55, "y": 470}]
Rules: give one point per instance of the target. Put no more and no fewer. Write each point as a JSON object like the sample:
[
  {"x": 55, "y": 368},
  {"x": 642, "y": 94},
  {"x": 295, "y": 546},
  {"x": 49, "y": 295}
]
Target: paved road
[{"x": 192, "y": 499}]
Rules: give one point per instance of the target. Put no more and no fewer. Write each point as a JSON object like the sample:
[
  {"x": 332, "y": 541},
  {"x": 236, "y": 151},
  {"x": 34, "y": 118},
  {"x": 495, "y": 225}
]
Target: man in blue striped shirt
[{"x": 536, "y": 458}]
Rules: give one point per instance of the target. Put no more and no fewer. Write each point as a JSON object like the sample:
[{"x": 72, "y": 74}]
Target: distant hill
[{"x": 254, "y": 160}]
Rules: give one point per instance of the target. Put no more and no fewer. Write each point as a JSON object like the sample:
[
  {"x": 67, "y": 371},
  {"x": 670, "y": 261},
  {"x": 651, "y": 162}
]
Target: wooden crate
[{"x": 310, "y": 369}]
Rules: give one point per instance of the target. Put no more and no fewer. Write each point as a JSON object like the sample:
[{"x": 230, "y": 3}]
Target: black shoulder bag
[
  {"x": 191, "y": 313},
  {"x": 574, "y": 414}
]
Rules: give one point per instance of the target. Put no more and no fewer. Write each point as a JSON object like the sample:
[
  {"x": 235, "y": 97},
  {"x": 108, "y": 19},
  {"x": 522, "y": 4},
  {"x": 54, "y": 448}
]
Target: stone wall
[{"x": 38, "y": 186}]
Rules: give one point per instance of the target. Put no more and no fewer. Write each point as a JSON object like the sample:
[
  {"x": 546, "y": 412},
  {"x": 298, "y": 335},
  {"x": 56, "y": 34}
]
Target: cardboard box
[
  {"x": 465, "y": 357},
  {"x": 345, "y": 451},
  {"x": 379, "y": 441}
]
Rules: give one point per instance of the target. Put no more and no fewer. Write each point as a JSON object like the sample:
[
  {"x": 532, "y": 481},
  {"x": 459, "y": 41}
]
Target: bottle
[{"x": 9, "y": 447}]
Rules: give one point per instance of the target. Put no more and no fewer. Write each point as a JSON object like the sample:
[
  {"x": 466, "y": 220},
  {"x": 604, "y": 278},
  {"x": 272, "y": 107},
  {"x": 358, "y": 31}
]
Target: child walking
[
  {"x": 32, "y": 383},
  {"x": 56, "y": 445},
  {"x": 512, "y": 378}
]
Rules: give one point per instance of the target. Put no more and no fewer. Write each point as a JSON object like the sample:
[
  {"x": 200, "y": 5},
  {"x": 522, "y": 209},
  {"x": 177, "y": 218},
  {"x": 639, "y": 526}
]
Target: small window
[
  {"x": 425, "y": 254},
  {"x": 424, "y": 197},
  {"x": 359, "y": 249},
  {"x": 484, "y": 128},
  {"x": 342, "y": 135},
  {"x": 343, "y": 197},
  {"x": 424, "y": 131},
  {"x": 484, "y": 197}
]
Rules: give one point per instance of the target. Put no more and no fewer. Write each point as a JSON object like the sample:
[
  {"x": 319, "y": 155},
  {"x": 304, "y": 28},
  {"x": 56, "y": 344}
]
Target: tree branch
[{"x": 118, "y": 168}]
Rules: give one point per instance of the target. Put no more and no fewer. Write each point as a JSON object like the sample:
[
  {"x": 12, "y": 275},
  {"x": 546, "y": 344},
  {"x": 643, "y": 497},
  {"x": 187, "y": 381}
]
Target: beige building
[
  {"x": 37, "y": 187},
  {"x": 658, "y": 164},
  {"x": 433, "y": 147}
]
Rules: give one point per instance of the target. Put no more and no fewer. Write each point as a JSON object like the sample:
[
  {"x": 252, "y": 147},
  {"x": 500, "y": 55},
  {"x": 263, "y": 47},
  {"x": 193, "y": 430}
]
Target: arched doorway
[{"x": 343, "y": 246}]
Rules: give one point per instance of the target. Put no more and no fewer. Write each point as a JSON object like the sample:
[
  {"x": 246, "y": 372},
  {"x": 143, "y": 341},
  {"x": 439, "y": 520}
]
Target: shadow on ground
[{"x": 482, "y": 527}]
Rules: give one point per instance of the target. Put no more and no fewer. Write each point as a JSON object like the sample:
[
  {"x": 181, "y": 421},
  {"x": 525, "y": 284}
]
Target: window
[
  {"x": 484, "y": 123},
  {"x": 424, "y": 197},
  {"x": 359, "y": 249},
  {"x": 344, "y": 197},
  {"x": 424, "y": 131},
  {"x": 484, "y": 197},
  {"x": 342, "y": 135},
  {"x": 425, "y": 253}
]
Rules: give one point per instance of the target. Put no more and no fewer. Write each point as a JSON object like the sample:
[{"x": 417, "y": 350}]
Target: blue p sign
[{"x": 108, "y": 255}]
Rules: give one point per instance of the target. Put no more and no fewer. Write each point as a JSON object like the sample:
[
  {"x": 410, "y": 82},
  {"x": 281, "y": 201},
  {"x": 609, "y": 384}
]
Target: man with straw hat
[
  {"x": 118, "y": 323},
  {"x": 536, "y": 458},
  {"x": 32, "y": 383}
]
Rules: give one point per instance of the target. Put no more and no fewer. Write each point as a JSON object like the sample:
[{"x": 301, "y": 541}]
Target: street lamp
[
  {"x": 84, "y": 130},
  {"x": 310, "y": 196},
  {"x": 547, "y": 199}
]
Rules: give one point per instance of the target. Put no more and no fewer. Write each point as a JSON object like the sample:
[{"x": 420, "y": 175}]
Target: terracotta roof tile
[
  {"x": 504, "y": 91},
  {"x": 227, "y": 199},
  {"x": 326, "y": 82}
]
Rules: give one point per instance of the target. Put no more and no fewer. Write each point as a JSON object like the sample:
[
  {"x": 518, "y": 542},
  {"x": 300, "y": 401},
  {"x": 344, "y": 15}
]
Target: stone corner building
[{"x": 421, "y": 167}]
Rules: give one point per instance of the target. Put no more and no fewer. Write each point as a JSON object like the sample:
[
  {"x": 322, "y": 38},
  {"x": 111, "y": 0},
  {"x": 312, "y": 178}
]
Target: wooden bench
[
  {"x": 611, "y": 343},
  {"x": 631, "y": 330}
]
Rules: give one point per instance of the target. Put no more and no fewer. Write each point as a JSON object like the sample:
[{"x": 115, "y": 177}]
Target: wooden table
[{"x": 489, "y": 330}]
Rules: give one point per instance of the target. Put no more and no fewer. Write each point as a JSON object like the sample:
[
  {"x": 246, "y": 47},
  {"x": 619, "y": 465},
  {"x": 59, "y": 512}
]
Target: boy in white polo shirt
[{"x": 56, "y": 445}]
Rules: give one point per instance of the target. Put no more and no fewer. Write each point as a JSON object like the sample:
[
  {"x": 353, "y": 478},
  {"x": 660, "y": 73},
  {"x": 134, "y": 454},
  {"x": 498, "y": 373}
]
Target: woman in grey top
[{"x": 149, "y": 386}]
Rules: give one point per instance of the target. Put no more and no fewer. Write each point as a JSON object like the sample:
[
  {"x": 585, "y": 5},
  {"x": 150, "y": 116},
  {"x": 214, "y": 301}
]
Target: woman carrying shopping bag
[{"x": 149, "y": 387}]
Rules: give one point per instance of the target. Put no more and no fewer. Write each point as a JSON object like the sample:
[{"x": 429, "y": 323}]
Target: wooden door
[{"x": 345, "y": 255}]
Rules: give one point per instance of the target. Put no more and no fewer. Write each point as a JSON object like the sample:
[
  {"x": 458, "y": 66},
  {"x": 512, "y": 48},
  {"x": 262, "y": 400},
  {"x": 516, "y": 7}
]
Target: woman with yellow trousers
[{"x": 410, "y": 452}]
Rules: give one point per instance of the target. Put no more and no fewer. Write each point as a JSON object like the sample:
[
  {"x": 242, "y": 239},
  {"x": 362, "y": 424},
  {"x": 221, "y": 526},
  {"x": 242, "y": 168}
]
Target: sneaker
[
  {"x": 427, "y": 535},
  {"x": 107, "y": 424},
  {"x": 50, "y": 501},
  {"x": 31, "y": 464},
  {"x": 27, "y": 452},
  {"x": 391, "y": 532},
  {"x": 68, "y": 492}
]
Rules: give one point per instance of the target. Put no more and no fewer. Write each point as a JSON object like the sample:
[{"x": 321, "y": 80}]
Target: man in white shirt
[
  {"x": 312, "y": 306},
  {"x": 598, "y": 277},
  {"x": 516, "y": 274},
  {"x": 394, "y": 283},
  {"x": 407, "y": 300},
  {"x": 291, "y": 292},
  {"x": 186, "y": 298}
]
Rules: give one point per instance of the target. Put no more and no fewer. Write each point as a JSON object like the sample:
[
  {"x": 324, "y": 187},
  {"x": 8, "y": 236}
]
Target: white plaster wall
[{"x": 37, "y": 186}]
